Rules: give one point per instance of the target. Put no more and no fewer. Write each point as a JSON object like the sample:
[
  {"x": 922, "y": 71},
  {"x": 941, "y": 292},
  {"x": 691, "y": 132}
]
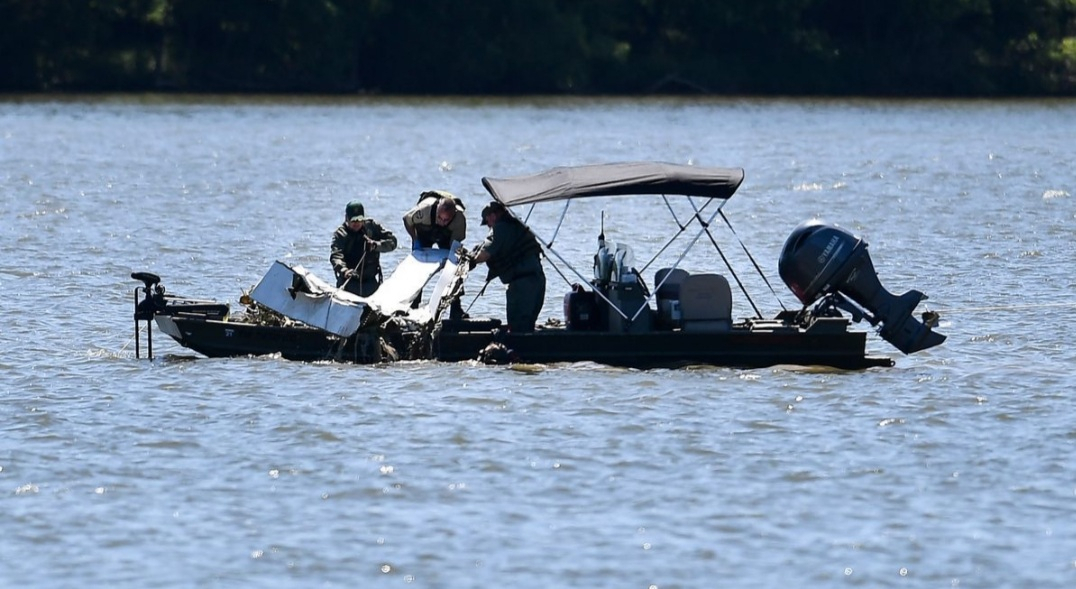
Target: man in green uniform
[
  {"x": 356, "y": 251},
  {"x": 512, "y": 254}
]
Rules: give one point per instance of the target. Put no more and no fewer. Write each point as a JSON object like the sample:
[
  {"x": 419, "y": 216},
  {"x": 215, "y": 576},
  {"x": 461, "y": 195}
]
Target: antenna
[{"x": 602, "y": 259}]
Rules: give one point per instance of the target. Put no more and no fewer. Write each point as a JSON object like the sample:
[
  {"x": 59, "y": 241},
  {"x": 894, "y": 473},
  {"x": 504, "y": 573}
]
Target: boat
[
  {"x": 611, "y": 313},
  {"x": 294, "y": 314}
]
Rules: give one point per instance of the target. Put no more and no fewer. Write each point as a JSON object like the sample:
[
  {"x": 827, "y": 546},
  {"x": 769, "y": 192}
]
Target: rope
[
  {"x": 362, "y": 264},
  {"x": 131, "y": 339},
  {"x": 477, "y": 296},
  {"x": 358, "y": 269}
]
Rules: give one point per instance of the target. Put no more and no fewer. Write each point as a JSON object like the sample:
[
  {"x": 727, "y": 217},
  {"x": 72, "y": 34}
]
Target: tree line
[{"x": 515, "y": 47}]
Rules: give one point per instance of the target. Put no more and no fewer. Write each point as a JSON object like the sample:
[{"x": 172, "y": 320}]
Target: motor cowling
[{"x": 820, "y": 260}]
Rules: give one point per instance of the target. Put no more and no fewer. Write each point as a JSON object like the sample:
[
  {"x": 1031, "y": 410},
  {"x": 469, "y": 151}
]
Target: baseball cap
[
  {"x": 492, "y": 207},
  {"x": 355, "y": 211}
]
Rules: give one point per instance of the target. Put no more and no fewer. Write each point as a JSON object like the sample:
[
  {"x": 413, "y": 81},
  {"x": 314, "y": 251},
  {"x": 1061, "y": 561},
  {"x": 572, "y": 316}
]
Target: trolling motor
[
  {"x": 820, "y": 261},
  {"x": 152, "y": 301},
  {"x": 155, "y": 302}
]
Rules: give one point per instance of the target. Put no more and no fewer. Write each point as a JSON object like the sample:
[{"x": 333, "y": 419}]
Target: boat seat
[
  {"x": 671, "y": 288},
  {"x": 667, "y": 297},
  {"x": 705, "y": 303}
]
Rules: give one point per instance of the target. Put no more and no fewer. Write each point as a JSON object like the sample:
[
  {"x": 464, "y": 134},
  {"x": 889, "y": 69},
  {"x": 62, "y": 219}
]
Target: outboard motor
[{"x": 820, "y": 260}]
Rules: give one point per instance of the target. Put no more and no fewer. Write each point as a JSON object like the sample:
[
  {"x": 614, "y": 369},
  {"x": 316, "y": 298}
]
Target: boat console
[{"x": 683, "y": 301}]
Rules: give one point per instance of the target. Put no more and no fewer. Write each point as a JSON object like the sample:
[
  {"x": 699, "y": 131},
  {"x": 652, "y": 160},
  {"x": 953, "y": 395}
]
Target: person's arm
[
  {"x": 383, "y": 240},
  {"x": 485, "y": 251},
  {"x": 409, "y": 223},
  {"x": 336, "y": 255}
]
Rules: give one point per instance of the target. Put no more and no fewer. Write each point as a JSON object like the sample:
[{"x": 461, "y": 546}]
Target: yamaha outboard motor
[{"x": 820, "y": 260}]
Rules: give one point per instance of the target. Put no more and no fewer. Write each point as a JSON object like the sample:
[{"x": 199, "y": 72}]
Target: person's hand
[
  {"x": 473, "y": 254},
  {"x": 469, "y": 257},
  {"x": 371, "y": 245},
  {"x": 347, "y": 273},
  {"x": 465, "y": 257}
]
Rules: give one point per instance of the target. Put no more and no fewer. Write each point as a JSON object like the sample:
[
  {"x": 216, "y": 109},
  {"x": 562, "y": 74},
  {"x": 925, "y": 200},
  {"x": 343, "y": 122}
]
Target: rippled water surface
[{"x": 953, "y": 468}]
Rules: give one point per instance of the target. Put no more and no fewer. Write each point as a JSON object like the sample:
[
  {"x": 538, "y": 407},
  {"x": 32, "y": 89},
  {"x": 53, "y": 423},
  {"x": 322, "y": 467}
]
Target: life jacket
[
  {"x": 434, "y": 233},
  {"x": 439, "y": 194}
]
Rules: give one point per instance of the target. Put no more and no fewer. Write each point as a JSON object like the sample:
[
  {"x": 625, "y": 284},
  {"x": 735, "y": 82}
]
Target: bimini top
[{"x": 619, "y": 179}]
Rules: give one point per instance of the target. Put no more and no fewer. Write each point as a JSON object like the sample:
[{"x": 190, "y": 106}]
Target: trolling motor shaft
[{"x": 146, "y": 308}]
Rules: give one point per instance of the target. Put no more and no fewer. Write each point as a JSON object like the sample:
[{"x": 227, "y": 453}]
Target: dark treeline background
[{"x": 834, "y": 47}]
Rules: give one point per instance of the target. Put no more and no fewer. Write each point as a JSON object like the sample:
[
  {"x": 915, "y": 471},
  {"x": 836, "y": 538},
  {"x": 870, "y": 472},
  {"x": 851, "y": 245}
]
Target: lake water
[{"x": 952, "y": 469}]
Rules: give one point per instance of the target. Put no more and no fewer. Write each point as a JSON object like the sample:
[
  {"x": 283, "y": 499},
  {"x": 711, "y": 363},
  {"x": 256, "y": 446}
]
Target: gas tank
[{"x": 581, "y": 309}]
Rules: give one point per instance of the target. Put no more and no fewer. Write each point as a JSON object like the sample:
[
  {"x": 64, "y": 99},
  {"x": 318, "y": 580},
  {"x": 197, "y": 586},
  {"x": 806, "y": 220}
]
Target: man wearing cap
[
  {"x": 437, "y": 219},
  {"x": 513, "y": 254},
  {"x": 356, "y": 251}
]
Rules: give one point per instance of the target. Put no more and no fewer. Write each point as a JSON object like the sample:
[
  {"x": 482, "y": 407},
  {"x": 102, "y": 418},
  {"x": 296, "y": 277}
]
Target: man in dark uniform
[
  {"x": 513, "y": 254},
  {"x": 356, "y": 251},
  {"x": 437, "y": 219}
]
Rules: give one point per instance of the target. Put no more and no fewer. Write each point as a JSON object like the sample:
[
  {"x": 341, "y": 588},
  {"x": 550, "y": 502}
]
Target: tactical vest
[
  {"x": 526, "y": 245},
  {"x": 355, "y": 249},
  {"x": 434, "y": 233},
  {"x": 439, "y": 194}
]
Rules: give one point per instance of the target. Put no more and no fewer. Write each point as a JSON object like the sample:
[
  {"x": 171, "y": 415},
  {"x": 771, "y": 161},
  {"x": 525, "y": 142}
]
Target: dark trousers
[{"x": 524, "y": 300}]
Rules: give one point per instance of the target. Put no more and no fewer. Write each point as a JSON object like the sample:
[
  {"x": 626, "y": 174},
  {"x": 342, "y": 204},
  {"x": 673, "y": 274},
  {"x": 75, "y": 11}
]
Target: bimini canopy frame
[
  {"x": 619, "y": 179},
  {"x": 569, "y": 183}
]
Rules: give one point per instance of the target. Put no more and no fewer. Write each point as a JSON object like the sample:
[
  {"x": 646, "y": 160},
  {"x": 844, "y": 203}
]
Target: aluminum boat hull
[
  {"x": 745, "y": 347},
  {"x": 225, "y": 339}
]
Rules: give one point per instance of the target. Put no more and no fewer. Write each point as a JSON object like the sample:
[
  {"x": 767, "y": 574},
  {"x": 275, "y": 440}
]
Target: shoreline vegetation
[{"x": 905, "y": 48}]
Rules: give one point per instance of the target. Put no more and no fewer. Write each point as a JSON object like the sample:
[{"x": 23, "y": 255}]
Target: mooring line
[{"x": 129, "y": 342}]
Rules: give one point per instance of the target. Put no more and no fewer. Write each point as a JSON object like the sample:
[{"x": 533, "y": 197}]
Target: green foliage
[{"x": 903, "y": 47}]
